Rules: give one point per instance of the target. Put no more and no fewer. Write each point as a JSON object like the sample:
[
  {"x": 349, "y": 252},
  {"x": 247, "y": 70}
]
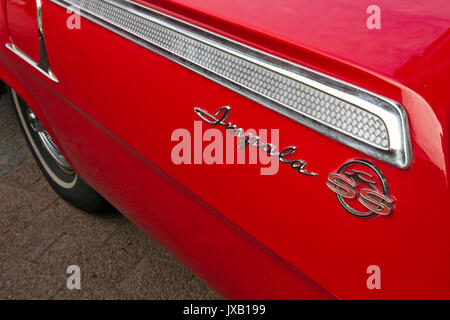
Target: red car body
[{"x": 251, "y": 236}]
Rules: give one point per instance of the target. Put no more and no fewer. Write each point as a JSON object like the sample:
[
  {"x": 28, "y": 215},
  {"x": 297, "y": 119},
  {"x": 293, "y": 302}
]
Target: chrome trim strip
[
  {"x": 43, "y": 66},
  {"x": 31, "y": 62},
  {"x": 398, "y": 149},
  {"x": 39, "y": 17},
  {"x": 44, "y": 62}
]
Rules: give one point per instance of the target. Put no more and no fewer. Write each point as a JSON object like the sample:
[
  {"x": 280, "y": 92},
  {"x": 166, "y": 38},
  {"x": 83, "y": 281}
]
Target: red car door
[{"x": 23, "y": 28}]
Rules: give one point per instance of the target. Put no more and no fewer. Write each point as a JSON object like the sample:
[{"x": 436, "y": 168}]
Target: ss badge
[{"x": 361, "y": 189}]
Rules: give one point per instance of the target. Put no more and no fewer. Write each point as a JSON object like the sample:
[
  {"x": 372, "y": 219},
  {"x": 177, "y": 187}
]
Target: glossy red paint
[
  {"x": 22, "y": 25},
  {"x": 253, "y": 236}
]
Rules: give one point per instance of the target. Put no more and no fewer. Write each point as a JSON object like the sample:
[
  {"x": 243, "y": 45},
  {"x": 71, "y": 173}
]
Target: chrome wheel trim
[
  {"x": 53, "y": 176},
  {"x": 48, "y": 142}
]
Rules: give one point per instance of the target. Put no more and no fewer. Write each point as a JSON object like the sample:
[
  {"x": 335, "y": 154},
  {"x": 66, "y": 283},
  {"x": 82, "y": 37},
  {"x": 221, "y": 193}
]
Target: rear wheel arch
[
  {"x": 66, "y": 183},
  {"x": 12, "y": 83}
]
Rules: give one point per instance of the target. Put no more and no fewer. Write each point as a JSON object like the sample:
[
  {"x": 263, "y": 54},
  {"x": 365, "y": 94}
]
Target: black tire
[{"x": 63, "y": 180}]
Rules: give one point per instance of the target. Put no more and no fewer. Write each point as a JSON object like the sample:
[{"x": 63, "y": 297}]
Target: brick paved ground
[{"x": 41, "y": 235}]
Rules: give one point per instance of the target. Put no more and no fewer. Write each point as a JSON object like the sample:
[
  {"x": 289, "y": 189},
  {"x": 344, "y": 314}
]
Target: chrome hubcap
[{"x": 47, "y": 141}]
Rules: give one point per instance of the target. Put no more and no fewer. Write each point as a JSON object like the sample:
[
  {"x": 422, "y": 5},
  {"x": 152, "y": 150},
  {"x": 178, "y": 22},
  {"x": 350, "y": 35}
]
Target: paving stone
[
  {"x": 24, "y": 175},
  {"x": 42, "y": 189},
  {"x": 99, "y": 266},
  {"x": 165, "y": 279},
  {"x": 104, "y": 292},
  {"x": 107, "y": 263},
  {"x": 30, "y": 243},
  {"x": 61, "y": 217},
  {"x": 102, "y": 263},
  {"x": 4, "y": 170},
  {"x": 8, "y": 122},
  {"x": 20, "y": 279},
  {"x": 18, "y": 205},
  {"x": 11, "y": 155}
]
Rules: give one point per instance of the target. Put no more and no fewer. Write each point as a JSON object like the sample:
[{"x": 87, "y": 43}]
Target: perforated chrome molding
[{"x": 351, "y": 115}]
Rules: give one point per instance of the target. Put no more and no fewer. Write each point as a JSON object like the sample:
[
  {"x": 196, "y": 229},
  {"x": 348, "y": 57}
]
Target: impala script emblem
[
  {"x": 359, "y": 185},
  {"x": 247, "y": 139},
  {"x": 361, "y": 189}
]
